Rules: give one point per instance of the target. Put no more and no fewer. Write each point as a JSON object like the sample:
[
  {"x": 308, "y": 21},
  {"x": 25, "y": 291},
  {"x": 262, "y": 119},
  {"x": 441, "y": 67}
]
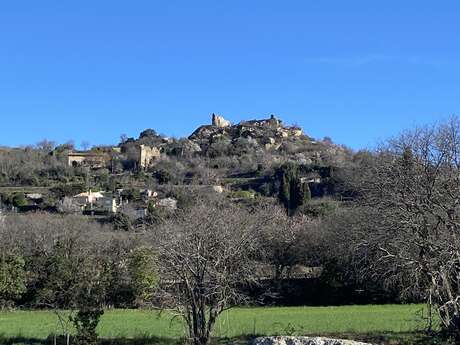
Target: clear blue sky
[{"x": 357, "y": 71}]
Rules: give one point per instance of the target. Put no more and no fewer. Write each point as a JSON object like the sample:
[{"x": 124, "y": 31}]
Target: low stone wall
[{"x": 303, "y": 341}]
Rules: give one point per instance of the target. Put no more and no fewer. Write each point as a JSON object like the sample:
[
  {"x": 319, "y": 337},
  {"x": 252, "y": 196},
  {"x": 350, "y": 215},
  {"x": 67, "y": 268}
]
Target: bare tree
[
  {"x": 411, "y": 213},
  {"x": 68, "y": 206},
  {"x": 46, "y": 145},
  {"x": 29, "y": 166},
  {"x": 205, "y": 258},
  {"x": 286, "y": 241},
  {"x": 85, "y": 145},
  {"x": 123, "y": 138},
  {"x": 66, "y": 266}
]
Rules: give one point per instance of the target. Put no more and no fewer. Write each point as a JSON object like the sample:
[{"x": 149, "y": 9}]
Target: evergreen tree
[{"x": 293, "y": 192}]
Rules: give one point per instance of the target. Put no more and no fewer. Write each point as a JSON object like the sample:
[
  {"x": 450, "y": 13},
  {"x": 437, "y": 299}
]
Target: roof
[
  {"x": 86, "y": 154},
  {"x": 34, "y": 196},
  {"x": 87, "y": 194}
]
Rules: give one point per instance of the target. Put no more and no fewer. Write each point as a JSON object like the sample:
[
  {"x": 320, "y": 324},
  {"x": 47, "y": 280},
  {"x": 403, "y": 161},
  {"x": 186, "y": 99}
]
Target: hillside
[{"x": 247, "y": 162}]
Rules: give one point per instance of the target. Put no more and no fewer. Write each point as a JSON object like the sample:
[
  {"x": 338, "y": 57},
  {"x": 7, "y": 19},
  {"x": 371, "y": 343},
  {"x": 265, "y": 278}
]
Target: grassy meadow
[{"x": 346, "y": 321}]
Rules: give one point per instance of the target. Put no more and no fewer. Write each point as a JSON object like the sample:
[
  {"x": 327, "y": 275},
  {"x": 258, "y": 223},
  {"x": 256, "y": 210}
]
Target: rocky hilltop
[
  {"x": 270, "y": 135},
  {"x": 267, "y": 132},
  {"x": 263, "y": 141}
]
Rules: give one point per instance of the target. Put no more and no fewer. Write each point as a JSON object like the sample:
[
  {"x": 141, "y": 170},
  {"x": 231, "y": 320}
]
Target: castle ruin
[
  {"x": 219, "y": 121},
  {"x": 147, "y": 156}
]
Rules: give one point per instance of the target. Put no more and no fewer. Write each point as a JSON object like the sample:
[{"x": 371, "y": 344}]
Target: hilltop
[{"x": 222, "y": 138}]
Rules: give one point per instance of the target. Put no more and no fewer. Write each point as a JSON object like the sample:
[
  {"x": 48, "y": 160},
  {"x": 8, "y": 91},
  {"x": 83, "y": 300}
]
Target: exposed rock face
[
  {"x": 190, "y": 146},
  {"x": 219, "y": 121},
  {"x": 303, "y": 341},
  {"x": 263, "y": 135},
  {"x": 206, "y": 133},
  {"x": 257, "y": 129}
]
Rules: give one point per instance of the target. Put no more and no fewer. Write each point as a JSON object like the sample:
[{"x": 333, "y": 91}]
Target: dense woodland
[{"x": 298, "y": 221}]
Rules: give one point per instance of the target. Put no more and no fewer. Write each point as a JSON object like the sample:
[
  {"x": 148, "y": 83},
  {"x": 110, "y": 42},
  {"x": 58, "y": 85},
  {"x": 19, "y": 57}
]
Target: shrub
[
  {"x": 131, "y": 194},
  {"x": 63, "y": 190},
  {"x": 12, "y": 278},
  {"x": 143, "y": 271},
  {"x": 19, "y": 199},
  {"x": 121, "y": 222},
  {"x": 85, "y": 322},
  {"x": 319, "y": 208},
  {"x": 244, "y": 194}
]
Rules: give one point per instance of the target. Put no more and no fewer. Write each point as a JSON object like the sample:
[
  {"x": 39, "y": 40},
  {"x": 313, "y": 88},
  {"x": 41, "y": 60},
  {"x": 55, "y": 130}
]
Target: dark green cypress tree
[{"x": 293, "y": 192}]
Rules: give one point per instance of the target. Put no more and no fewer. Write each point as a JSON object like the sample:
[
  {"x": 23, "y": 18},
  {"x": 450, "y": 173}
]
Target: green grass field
[{"x": 239, "y": 322}]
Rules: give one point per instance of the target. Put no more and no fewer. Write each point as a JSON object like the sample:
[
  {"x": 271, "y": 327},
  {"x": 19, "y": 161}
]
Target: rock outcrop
[
  {"x": 303, "y": 341},
  {"x": 266, "y": 134},
  {"x": 257, "y": 129}
]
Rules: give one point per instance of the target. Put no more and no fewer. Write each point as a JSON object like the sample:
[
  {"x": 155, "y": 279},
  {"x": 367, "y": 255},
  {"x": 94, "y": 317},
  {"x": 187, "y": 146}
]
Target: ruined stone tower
[{"x": 219, "y": 121}]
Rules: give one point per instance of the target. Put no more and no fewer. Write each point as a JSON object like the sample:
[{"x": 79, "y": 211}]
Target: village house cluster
[
  {"x": 98, "y": 203},
  {"x": 106, "y": 202}
]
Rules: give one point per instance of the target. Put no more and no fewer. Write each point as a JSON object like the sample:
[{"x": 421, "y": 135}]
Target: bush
[
  {"x": 121, "y": 222},
  {"x": 143, "y": 271},
  {"x": 85, "y": 322},
  {"x": 218, "y": 149},
  {"x": 131, "y": 194},
  {"x": 244, "y": 194},
  {"x": 319, "y": 208},
  {"x": 19, "y": 199},
  {"x": 69, "y": 190},
  {"x": 12, "y": 278},
  {"x": 164, "y": 176}
]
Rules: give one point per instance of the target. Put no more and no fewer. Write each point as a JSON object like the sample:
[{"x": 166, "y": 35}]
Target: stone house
[
  {"x": 312, "y": 177},
  {"x": 86, "y": 198},
  {"x": 167, "y": 203},
  {"x": 35, "y": 198},
  {"x": 97, "y": 200},
  {"x": 91, "y": 159},
  {"x": 272, "y": 122},
  {"x": 103, "y": 157}
]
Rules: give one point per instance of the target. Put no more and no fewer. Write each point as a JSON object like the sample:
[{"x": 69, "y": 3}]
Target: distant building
[
  {"x": 147, "y": 155},
  {"x": 88, "y": 197},
  {"x": 36, "y": 197},
  {"x": 91, "y": 159},
  {"x": 168, "y": 203},
  {"x": 271, "y": 122},
  {"x": 97, "y": 200},
  {"x": 147, "y": 194},
  {"x": 312, "y": 177}
]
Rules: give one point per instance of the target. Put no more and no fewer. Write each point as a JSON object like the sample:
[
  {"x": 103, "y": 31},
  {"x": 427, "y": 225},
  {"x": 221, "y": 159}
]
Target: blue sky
[{"x": 357, "y": 71}]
